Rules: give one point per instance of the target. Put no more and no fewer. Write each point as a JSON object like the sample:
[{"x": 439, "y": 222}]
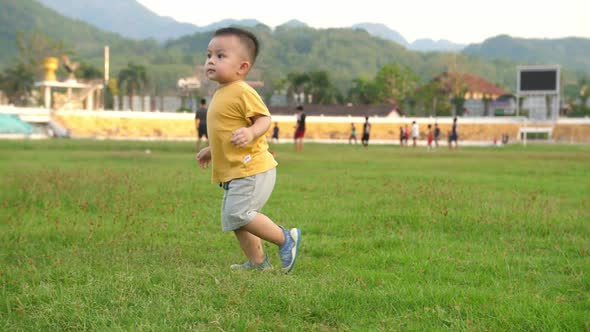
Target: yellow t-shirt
[{"x": 231, "y": 108}]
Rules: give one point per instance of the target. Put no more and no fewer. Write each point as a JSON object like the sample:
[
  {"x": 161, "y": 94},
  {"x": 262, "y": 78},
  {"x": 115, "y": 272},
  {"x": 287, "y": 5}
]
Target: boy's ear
[{"x": 244, "y": 68}]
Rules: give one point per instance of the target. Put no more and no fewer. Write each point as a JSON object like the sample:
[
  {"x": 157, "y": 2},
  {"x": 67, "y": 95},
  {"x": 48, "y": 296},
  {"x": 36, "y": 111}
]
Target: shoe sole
[{"x": 296, "y": 236}]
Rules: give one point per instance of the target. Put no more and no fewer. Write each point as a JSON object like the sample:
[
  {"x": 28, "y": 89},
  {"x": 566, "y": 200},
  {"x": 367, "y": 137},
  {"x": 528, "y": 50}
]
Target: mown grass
[{"x": 103, "y": 236}]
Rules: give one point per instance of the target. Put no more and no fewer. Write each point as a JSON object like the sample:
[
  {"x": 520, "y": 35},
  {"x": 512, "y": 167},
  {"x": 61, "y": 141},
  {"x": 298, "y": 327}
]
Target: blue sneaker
[
  {"x": 288, "y": 251},
  {"x": 265, "y": 265}
]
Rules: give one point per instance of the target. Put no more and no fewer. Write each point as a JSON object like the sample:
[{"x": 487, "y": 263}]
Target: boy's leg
[
  {"x": 251, "y": 234},
  {"x": 287, "y": 240},
  {"x": 251, "y": 246},
  {"x": 238, "y": 204},
  {"x": 264, "y": 228},
  {"x": 242, "y": 199}
]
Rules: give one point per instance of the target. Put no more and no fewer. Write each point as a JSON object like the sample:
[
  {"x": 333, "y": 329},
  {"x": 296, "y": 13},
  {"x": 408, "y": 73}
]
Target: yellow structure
[
  {"x": 50, "y": 64},
  {"x": 77, "y": 96}
]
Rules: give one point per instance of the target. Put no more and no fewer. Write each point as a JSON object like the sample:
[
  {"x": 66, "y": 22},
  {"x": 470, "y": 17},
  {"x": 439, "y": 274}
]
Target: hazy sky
[{"x": 460, "y": 21}]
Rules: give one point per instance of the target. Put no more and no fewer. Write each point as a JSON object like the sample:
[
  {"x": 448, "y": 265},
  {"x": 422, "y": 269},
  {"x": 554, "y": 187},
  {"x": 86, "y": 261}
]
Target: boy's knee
[{"x": 233, "y": 219}]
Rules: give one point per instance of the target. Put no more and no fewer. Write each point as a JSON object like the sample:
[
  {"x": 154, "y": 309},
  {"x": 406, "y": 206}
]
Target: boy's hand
[
  {"x": 242, "y": 137},
  {"x": 204, "y": 157}
]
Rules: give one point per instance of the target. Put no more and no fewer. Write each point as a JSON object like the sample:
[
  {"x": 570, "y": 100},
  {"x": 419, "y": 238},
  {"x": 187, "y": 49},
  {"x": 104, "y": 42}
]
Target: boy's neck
[{"x": 241, "y": 79}]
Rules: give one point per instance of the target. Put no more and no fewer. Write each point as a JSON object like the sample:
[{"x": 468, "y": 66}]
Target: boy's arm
[{"x": 243, "y": 136}]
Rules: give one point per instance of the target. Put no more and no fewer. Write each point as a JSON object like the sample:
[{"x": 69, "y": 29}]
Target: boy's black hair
[
  {"x": 246, "y": 37},
  {"x": 203, "y": 101}
]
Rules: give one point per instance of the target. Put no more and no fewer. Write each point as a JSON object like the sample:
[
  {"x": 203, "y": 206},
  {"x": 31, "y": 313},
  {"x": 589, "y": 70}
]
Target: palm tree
[
  {"x": 88, "y": 72},
  {"x": 297, "y": 83},
  {"x": 396, "y": 82},
  {"x": 133, "y": 79},
  {"x": 322, "y": 90},
  {"x": 431, "y": 97},
  {"x": 455, "y": 88},
  {"x": 363, "y": 92}
]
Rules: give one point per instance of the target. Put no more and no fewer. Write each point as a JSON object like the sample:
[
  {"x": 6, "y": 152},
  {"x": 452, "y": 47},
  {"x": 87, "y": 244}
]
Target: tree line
[{"x": 394, "y": 83}]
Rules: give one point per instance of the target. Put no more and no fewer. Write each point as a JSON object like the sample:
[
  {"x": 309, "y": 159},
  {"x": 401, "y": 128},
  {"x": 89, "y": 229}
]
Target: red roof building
[{"x": 473, "y": 86}]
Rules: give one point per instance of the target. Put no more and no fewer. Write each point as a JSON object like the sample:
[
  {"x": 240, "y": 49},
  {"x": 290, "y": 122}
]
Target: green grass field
[{"x": 103, "y": 236}]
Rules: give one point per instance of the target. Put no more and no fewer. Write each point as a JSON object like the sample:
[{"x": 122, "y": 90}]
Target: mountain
[
  {"x": 422, "y": 45},
  {"x": 230, "y": 22},
  {"x": 429, "y": 45},
  {"x": 131, "y": 19},
  {"x": 294, "y": 24},
  {"x": 382, "y": 31},
  {"x": 126, "y": 17},
  {"x": 569, "y": 52}
]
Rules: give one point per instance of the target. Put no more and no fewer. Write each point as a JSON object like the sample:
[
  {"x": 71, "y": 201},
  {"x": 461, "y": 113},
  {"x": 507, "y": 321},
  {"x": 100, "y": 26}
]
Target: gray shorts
[{"x": 244, "y": 198}]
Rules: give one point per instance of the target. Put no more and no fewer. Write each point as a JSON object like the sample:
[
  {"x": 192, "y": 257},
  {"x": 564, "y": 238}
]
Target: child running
[{"x": 237, "y": 121}]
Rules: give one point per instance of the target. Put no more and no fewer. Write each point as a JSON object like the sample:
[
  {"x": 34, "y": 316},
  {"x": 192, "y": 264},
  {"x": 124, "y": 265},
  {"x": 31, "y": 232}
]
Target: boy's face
[{"x": 227, "y": 60}]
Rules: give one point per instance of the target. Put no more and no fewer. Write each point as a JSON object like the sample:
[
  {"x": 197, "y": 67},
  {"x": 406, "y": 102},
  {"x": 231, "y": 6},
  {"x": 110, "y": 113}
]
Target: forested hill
[
  {"x": 572, "y": 53},
  {"x": 345, "y": 53},
  {"x": 28, "y": 16}
]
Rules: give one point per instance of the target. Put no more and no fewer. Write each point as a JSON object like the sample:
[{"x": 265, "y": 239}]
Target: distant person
[
  {"x": 436, "y": 134},
  {"x": 366, "y": 132},
  {"x": 352, "y": 134},
  {"x": 300, "y": 129},
  {"x": 415, "y": 133},
  {"x": 449, "y": 134},
  {"x": 430, "y": 137},
  {"x": 201, "y": 122},
  {"x": 454, "y": 135},
  {"x": 401, "y": 136},
  {"x": 275, "y": 133},
  {"x": 505, "y": 139},
  {"x": 238, "y": 151},
  {"x": 406, "y": 134}
]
